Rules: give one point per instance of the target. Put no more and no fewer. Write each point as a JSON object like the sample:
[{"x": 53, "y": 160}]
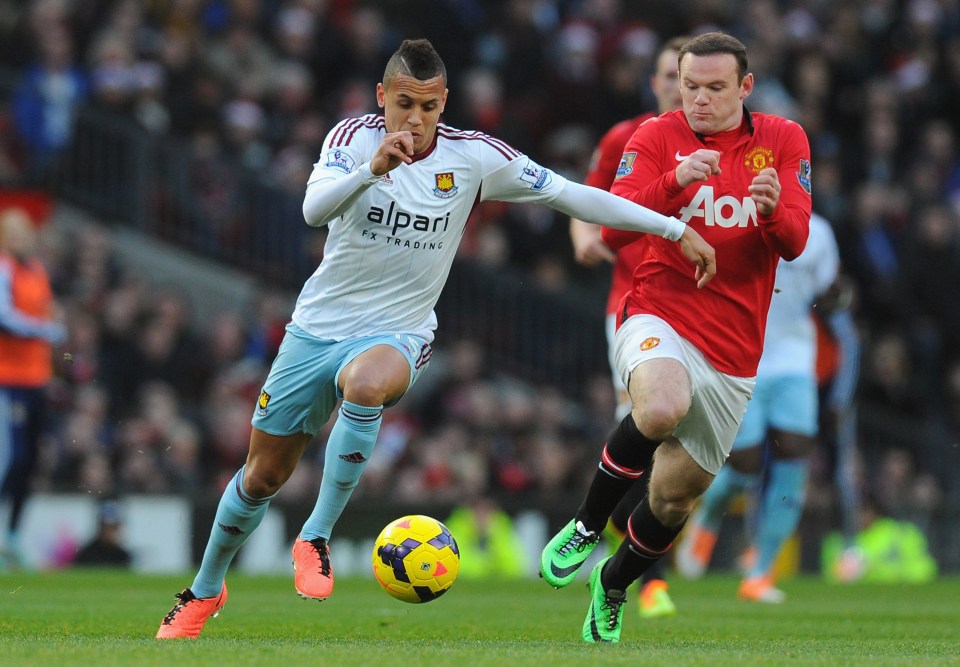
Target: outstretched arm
[{"x": 602, "y": 208}]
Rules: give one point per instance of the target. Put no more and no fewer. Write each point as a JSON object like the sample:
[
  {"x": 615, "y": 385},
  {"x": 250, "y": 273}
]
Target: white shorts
[
  {"x": 718, "y": 400},
  {"x": 620, "y": 390}
]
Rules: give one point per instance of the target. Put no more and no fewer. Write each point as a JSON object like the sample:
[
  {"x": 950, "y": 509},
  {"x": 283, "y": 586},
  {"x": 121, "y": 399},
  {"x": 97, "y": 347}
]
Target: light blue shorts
[
  {"x": 301, "y": 391},
  {"x": 786, "y": 403}
]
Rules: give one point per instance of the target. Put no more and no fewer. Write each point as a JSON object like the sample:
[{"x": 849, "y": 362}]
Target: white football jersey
[
  {"x": 388, "y": 255},
  {"x": 790, "y": 342}
]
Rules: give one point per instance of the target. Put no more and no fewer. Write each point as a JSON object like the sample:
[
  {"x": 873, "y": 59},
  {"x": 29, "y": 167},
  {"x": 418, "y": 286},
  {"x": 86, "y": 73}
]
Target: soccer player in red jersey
[
  {"x": 689, "y": 357},
  {"x": 590, "y": 250}
]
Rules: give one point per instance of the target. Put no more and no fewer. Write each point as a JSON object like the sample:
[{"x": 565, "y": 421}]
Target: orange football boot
[
  {"x": 186, "y": 619},
  {"x": 312, "y": 572}
]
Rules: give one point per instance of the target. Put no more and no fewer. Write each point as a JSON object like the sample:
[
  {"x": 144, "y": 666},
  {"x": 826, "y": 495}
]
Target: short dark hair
[
  {"x": 673, "y": 44},
  {"x": 710, "y": 43},
  {"x": 416, "y": 58}
]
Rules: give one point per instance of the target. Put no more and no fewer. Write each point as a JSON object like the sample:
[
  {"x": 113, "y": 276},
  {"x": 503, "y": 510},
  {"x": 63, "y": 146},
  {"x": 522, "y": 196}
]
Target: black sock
[
  {"x": 647, "y": 540},
  {"x": 621, "y": 513},
  {"x": 626, "y": 455}
]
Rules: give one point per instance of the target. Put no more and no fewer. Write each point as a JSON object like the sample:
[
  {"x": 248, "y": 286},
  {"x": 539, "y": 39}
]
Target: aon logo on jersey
[{"x": 727, "y": 211}]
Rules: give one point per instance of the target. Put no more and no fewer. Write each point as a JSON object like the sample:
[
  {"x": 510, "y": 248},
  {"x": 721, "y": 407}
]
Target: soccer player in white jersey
[
  {"x": 780, "y": 425},
  {"x": 395, "y": 191}
]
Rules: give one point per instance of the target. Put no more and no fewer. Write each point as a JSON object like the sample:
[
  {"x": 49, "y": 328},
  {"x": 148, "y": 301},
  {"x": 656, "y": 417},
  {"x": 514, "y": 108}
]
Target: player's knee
[
  {"x": 657, "y": 419},
  {"x": 263, "y": 481},
  {"x": 748, "y": 460},
  {"x": 673, "y": 509},
  {"x": 369, "y": 391}
]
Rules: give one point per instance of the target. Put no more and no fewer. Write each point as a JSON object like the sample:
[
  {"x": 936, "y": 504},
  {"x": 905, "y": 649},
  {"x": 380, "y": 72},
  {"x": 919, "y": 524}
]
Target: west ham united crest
[
  {"x": 262, "y": 403},
  {"x": 445, "y": 185}
]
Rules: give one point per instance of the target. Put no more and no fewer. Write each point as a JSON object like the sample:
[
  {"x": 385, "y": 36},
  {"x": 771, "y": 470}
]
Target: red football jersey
[
  {"x": 726, "y": 319},
  {"x": 603, "y": 169}
]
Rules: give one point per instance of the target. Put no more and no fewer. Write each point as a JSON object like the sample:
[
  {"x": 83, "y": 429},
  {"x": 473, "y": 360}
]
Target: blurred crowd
[
  {"x": 145, "y": 401},
  {"x": 148, "y": 403}
]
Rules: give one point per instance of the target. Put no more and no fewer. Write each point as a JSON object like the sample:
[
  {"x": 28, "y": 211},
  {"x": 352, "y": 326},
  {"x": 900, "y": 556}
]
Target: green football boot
[
  {"x": 565, "y": 553},
  {"x": 605, "y": 615}
]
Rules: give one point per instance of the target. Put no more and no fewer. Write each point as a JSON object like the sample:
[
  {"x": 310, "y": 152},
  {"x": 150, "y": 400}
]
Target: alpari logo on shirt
[
  {"x": 649, "y": 343},
  {"x": 727, "y": 211},
  {"x": 262, "y": 403},
  {"x": 535, "y": 175},
  {"x": 758, "y": 159},
  {"x": 625, "y": 168},
  {"x": 339, "y": 160},
  {"x": 446, "y": 188},
  {"x": 396, "y": 218}
]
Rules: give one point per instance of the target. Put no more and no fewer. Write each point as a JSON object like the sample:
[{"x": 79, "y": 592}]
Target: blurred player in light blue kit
[{"x": 779, "y": 428}]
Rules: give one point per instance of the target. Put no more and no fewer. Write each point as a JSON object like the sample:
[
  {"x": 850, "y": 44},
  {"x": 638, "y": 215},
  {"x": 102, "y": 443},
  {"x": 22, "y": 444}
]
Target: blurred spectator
[
  {"x": 490, "y": 548},
  {"x": 888, "y": 551},
  {"x": 105, "y": 548},
  {"x": 29, "y": 330},
  {"x": 47, "y": 98}
]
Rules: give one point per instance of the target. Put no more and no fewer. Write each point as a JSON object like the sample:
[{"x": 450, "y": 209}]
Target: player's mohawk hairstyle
[{"x": 416, "y": 58}]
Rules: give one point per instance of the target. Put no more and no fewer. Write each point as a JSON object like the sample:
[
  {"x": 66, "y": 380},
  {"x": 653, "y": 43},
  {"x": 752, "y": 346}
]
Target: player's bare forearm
[{"x": 588, "y": 246}]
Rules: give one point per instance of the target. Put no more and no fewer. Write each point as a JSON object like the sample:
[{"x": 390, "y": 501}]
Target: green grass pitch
[{"x": 99, "y": 618}]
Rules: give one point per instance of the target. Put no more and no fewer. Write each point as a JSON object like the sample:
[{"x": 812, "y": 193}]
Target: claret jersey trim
[
  {"x": 347, "y": 129},
  {"x": 505, "y": 149}
]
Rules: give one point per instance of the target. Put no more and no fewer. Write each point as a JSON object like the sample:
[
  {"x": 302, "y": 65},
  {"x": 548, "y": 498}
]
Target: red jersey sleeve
[
  {"x": 606, "y": 157},
  {"x": 640, "y": 180},
  {"x": 785, "y": 232}
]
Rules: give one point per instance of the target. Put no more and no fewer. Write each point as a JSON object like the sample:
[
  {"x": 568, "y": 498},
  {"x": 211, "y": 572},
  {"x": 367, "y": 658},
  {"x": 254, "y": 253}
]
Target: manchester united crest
[
  {"x": 649, "y": 343},
  {"x": 445, "y": 185},
  {"x": 758, "y": 159}
]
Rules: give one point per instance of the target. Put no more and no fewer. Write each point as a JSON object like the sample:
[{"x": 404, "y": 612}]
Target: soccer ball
[{"x": 416, "y": 559}]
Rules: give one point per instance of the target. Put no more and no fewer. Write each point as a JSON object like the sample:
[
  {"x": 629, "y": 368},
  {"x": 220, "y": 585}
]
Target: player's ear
[
  {"x": 381, "y": 95},
  {"x": 746, "y": 86},
  {"x": 443, "y": 102}
]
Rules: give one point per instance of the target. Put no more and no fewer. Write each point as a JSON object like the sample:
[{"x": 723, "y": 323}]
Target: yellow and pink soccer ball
[{"x": 416, "y": 559}]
